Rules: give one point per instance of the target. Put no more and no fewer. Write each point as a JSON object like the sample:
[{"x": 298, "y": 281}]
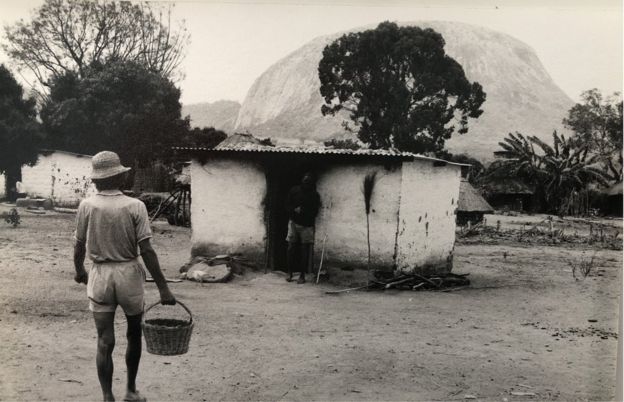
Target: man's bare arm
[
  {"x": 153, "y": 266},
  {"x": 79, "y": 257}
]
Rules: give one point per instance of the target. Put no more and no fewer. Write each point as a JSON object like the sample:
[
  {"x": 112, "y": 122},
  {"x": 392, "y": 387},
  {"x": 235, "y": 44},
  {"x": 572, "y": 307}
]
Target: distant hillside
[
  {"x": 521, "y": 96},
  {"x": 220, "y": 114}
]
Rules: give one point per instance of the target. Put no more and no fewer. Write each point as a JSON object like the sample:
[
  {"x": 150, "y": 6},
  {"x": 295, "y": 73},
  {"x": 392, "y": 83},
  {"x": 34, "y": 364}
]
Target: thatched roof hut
[
  {"x": 471, "y": 205},
  {"x": 508, "y": 187},
  {"x": 509, "y": 194},
  {"x": 470, "y": 200}
]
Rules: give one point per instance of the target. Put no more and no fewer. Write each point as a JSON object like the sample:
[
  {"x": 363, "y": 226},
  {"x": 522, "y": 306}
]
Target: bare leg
[
  {"x": 291, "y": 262},
  {"x": 105, "y": 325},
  {"x": 133, "y": 352},
  {"x": 304, "y": 261}
]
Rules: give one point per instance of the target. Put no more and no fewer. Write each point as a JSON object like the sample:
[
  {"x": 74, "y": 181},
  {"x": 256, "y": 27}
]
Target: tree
[
  {"x": 20, "y": 134},
  {"x": 557, "y": 172},
  {"x": 518, "y": 159},
  {"x": 597, "y": 122},
  {"x": 66, "y": 36},
  {"x": 473, "y": 173},
  {"x": 346, "y": 143},
  {"x": 207, "y": 137},
  {"x": 119, "y": 106},
  {"x": 399, "y": 87}
]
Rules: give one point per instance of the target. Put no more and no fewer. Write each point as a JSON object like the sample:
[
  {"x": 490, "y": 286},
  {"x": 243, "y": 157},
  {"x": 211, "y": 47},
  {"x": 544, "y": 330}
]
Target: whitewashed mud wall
[
  {"x": 2, "y": 186},
  {"x": 426, "y": 235},
  {"x": 60, "y": 176},
  {"x": 37, "y": 179},
  {"x": 227, "y": 212},
  {"x": 412, "y": 219},
  {"x": 343, "y": 218}
]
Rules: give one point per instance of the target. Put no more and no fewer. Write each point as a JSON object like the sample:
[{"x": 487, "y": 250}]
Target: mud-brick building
[
  {"x": 60, "y": 176},
  {"x": 239, "y": 191}
]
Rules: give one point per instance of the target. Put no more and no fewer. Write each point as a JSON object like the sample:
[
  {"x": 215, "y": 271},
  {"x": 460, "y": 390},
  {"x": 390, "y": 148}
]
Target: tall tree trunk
[{"x": 12, "y": 176}]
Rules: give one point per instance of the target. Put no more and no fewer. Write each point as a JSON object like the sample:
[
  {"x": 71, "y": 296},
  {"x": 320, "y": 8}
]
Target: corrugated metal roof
[
  {"x": 317, "y": 150},
  {"x": 46, "y": 151}
]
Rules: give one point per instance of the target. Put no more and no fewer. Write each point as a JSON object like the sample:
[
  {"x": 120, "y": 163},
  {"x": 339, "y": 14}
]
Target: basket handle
[{"x": 177, "y": 302}]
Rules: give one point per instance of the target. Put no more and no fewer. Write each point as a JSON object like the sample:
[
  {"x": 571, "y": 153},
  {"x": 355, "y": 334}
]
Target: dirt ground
[{"x": 524, "y": 330}]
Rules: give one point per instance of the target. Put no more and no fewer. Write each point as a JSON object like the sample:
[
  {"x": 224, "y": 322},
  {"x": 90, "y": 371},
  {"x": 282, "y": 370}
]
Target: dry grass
[{"x": 584, "y": 266}]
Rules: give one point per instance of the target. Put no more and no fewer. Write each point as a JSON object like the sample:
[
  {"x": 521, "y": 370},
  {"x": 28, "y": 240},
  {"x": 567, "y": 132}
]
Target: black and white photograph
[{"x": 301, "y": 200}]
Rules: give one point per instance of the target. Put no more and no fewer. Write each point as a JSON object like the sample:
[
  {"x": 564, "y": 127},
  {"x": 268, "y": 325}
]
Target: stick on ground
[{"x": 333, "y": 292}]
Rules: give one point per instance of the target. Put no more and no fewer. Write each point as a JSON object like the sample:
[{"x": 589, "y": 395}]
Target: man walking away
[
  {"x": 111, "y": 228},
  {"x": 303, "y": 203}
]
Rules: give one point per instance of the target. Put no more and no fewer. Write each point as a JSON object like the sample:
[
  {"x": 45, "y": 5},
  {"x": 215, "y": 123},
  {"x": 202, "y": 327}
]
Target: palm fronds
[{"x": 556, "y": 171}]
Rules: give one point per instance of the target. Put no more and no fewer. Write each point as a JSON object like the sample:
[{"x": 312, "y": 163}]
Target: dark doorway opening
[
  {"x": 282, "y": 175},
  {"x": 12, "y": 176}
]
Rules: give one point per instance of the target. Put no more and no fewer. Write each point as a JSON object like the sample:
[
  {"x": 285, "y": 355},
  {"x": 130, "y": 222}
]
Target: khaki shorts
[
  {"x": 116, "y": 283},
  {"x": 300, "y": 234}
]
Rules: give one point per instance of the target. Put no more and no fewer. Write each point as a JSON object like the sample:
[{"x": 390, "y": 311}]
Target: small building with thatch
[
  {"x": 63, "y": 177},
  {"x": 471, "y": 206},
  {"x": 240, "y": 187},
  {"x": 509, "y": 194}
]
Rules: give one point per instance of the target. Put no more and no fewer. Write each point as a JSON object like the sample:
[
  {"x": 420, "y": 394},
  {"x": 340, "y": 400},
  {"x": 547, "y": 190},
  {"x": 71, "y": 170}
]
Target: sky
[{"x": 232, "y": 42}]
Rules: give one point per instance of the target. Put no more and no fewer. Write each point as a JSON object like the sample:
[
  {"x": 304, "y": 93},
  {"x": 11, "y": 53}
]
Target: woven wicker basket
[{"x": 168, "y": 337}]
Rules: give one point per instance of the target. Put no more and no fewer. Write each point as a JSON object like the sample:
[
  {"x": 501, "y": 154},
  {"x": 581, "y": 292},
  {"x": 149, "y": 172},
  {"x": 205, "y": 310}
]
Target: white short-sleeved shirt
[{"x": 112, "y": 224}]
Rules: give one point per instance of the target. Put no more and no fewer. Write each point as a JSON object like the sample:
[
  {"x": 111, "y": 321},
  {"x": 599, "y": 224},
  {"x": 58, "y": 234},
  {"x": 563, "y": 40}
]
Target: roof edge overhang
[
  {"x": 362, "y": 153},
  {"x": 46, "y": 151}
]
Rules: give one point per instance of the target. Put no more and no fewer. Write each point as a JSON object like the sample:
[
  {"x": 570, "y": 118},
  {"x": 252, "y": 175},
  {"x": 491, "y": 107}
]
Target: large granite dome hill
[
  {"x": 220, "y": 114},
  {"x": 284, "y": 102}
]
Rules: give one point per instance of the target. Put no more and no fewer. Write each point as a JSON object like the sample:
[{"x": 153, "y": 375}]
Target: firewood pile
[{"x": 413, "y": 281}]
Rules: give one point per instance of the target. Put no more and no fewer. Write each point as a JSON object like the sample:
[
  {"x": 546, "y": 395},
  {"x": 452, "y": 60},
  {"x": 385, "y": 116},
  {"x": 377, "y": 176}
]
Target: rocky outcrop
[
  {"x": 220, "y": 114},
  {"x": 285, "y": 102}
]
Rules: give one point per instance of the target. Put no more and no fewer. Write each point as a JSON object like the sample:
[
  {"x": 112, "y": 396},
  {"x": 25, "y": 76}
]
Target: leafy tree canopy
[
  {"x": 597, "y": 122},
  {"x": 346, "y": 143},
  {"x": 20, "y": 134},
  {"x": 473, "y": 173},
  {"x": 119, "y": 106},
  {"x": 207, "y": 137},
  {"x": 66, "y": 36},
  {"x": 400, "y": 88},
  {"x": 556, "y": 171}
]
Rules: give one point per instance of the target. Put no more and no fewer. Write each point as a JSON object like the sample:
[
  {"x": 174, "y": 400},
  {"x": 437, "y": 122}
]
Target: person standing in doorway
[
  {"x": 111, "y": 228},
  {"x": 303, "y": 204}
]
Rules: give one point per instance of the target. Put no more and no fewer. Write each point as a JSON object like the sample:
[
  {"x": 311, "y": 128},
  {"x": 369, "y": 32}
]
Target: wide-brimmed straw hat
[{"x": 106, "y": 164}]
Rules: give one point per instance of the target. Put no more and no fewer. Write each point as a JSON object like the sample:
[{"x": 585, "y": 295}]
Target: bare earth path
[{"x": 522, "y": 327}]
